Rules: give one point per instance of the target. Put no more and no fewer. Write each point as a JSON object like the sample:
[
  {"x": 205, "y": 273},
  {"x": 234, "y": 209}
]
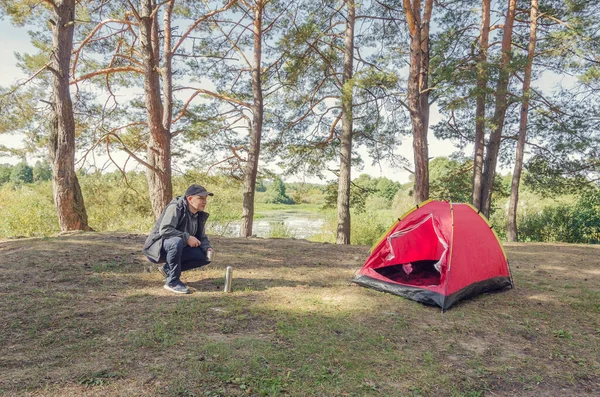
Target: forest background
[{"x": 201, "y": 91}]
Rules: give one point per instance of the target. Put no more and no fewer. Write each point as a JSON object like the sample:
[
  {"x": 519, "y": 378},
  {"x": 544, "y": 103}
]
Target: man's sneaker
[
  {"x": 178, "y": 288},
  {"x": 162, "y": 271}
]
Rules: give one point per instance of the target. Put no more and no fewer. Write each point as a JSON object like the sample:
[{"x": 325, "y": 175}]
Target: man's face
[{"x": 197, "y": 202}]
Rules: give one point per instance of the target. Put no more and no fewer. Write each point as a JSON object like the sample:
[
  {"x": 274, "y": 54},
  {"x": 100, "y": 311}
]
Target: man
[{"x": 178, "y": 238}]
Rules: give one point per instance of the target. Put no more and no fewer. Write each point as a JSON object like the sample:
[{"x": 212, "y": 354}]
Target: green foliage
[
  {"x": 579, "y": 223},
  {"x": 5, "y": 171},
  {"x": 403, "y": 200},
  {"x": 260, "y": 186},
  {"x": 450, "y": 180},
  {"x": 361, "y": 189},
  {"x": 276, "y": 194},
  {"x": 116, "y": 204},
  {"x": 547, "y": 177},
  {"x": 42, "y": 171},
  {"x": 305, "y": 193},
  {"x": 27, "y": 210},
  {"x": 21, "y": 173},
  {"x": 280, "y": 230},
  {"x": 368, "y": 227},
  {"x": 108, "y": 197},
  {"x": 113, "y": 203}
]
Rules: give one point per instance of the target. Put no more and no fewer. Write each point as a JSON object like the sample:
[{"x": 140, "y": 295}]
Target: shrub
[
  {"x": 5, "y": 171},
  {"x": 403, "y": 201},
  {"x": 368, "y": 227},
  {"x": 42, "y": 171},
  {"x": 21, "y": 173},
  {"x": 115, "y": 204},
  {"x": 276, "y": 193},
  {"x": 27, "y": 210},
  {"x": 578, "y": 222},
  {"x": 278, "y": 229}
]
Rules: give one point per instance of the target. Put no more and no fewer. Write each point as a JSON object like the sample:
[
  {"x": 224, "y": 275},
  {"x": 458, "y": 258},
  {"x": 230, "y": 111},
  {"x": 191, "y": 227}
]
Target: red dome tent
[{"x": 437, "y": 253}]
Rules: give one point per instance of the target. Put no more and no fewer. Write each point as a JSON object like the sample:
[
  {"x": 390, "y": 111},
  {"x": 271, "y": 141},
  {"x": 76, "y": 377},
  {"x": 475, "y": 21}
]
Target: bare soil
[{"x": 86, "y": 314}]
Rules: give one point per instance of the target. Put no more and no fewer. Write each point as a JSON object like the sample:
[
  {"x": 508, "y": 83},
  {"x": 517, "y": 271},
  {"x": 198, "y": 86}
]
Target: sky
[{"x": 15, "y": 39}]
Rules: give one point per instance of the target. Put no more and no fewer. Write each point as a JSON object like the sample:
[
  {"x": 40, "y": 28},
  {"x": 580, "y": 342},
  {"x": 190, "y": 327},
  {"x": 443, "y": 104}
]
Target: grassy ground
[{"x": 86, "y": 315}]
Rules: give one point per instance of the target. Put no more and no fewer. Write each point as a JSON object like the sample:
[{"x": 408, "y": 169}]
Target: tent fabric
[{"x": 437, "y": 253}]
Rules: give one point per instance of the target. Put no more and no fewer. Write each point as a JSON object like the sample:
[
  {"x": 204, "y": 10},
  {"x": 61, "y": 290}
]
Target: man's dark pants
[{"x": 180, "y": 257}]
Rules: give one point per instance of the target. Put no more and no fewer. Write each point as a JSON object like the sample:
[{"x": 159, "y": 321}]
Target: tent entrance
[
  {"x": 415, "y": 254},
  {"x": 414, "y": 273}
]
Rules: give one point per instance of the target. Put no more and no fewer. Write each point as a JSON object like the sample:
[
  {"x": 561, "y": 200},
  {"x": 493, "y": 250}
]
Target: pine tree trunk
[
  {"x": 343, "y": 201},
  {"x": 167, "y": 69},
  {"x": 481, "y": 99},
  {"x": 256, "y": 131},
  {"x": 65, "y": 185},
  {"x": 159, "y": 145},
  {"x": 493, "y": 147},
  {"x": 512, "y": 234},
  {"x": 418, "y": 91}
]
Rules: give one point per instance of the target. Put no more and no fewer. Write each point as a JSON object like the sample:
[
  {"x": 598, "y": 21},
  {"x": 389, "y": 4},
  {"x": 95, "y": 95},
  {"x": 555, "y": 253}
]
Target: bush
[
  {"x": 21, "y": 173},
  {"x": 377, "y": 203},
  {"x": 403, "y": 201},
  {"x": 578, "y": 223},
  {"x": 27, "y": 210},
  {"x": 113, "y": 204},
  {"x": 305, "y": 193},
  {"x": 278, "y": 229},
  {"x": 276, "y": 193},
  {"x": 5, "y": 171},
  {"x": 42, "y": 171},
  {"x": 368, "y": 227}
]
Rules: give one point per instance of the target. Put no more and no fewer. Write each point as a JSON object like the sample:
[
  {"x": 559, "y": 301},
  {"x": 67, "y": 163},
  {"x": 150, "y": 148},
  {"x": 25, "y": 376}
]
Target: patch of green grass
[
  {"x": 161, "y": 334},
  {"x": 562, "y": 334},
  {"x": 98, "y": 378}
]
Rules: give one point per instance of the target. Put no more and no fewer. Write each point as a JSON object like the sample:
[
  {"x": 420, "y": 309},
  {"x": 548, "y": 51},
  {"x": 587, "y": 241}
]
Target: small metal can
[{"x": 210, "y": 255}]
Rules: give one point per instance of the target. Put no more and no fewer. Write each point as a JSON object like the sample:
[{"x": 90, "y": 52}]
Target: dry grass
[{"x": 86, "y": 315}]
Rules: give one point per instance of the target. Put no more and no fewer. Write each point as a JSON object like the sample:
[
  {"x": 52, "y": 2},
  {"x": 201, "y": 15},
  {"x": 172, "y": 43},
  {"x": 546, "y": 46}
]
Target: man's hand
[{"x": 193, "y": 241}]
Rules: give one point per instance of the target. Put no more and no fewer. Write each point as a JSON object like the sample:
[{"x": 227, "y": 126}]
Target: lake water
[{"x": 297, "y": 224}]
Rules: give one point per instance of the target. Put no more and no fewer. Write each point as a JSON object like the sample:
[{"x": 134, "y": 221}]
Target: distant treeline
[{"x": 118, "y": 202}]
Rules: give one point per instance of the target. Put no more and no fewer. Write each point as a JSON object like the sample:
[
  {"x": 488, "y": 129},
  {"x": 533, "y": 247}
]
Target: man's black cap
[{"x": 197, "y": 190}]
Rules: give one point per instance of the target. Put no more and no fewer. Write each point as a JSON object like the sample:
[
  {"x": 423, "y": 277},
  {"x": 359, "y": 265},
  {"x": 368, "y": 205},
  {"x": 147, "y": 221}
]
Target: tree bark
[
  {"x": 481, "y": 99},
  {"x": 418, "y": 91},
  {"x": 256, "y": 129},
  {"x": 493, "y": 147},
  {"x": 512, "y": 234},
  {"x": 65, "y": 185},
  {"x": 343, "y": 199},
  {"x": 159, "y": 145}
]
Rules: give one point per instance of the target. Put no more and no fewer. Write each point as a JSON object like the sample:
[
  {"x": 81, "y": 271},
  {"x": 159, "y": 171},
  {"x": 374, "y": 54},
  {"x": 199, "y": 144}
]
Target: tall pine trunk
[
  {"x": 256, "y": 129},
  {"x": 158, "y": 174},
  {"x": 482, "y": 76},
  {"x": 493, "y": 147},
  {"x": 418, "y": 91},
  {"x": 65, "y": 185},
  {"x": 343, "y": 199},
  {"x": 516, "y": 179}
]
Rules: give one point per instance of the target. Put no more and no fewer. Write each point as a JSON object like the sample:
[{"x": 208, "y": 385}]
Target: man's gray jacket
[{"x": 176, "y": 221}]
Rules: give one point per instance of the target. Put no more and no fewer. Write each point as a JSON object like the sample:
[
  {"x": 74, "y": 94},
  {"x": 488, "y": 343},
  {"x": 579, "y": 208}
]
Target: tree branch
[{"x": 107, "y": 71}]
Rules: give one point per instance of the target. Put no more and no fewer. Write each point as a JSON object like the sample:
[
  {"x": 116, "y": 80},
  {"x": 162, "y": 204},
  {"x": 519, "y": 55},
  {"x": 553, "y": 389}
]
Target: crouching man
[{"x": 178, "y": 238}]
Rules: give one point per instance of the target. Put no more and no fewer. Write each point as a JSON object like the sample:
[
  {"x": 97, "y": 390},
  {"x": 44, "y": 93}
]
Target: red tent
[{"x": 437, "y": 253}]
